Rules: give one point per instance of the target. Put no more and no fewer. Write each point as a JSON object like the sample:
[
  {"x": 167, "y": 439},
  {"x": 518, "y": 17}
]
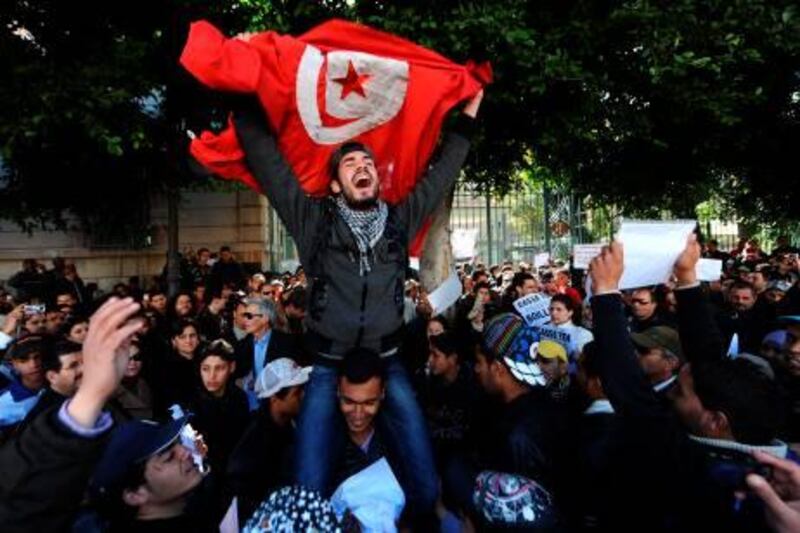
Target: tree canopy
[{"x": 644, "y": 104}]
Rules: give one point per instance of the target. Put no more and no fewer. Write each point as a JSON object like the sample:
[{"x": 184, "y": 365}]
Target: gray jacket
[{"x": 346, "y": 309}]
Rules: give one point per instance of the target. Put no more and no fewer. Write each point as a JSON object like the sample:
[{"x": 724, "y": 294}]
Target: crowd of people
[{"x": 652, "y": 414}]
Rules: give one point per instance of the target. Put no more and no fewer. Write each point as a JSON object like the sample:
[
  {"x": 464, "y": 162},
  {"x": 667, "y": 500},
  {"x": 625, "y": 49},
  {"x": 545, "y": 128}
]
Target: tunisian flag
[{"x": 341, "y": 81}]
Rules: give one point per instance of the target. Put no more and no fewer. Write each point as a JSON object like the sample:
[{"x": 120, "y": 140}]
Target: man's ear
[
  {"x": 719, "y": 425},
  {"x": 233, "y": 367},
  {"x": 137, "y": 497},
  {"x": 50, "y": 375},
  {"x": 335, "y": 186}
]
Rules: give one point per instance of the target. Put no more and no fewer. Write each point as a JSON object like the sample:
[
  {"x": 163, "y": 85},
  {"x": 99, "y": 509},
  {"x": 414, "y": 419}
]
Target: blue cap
[{"x": 131, "y": 443}]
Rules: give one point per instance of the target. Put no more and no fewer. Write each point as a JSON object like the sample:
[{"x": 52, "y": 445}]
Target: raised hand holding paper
[
  {"x": 445, "y": 294},
  {"x": 651, "y": 248}
]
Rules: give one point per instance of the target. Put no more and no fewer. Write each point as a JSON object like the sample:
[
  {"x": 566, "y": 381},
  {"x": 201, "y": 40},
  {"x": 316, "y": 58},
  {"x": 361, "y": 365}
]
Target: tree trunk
[
  {"x": 437, "y": 253},
  {"x": 173, "y": 259}
]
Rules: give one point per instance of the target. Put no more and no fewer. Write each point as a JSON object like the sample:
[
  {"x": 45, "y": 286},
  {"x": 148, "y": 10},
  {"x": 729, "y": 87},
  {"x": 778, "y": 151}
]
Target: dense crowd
[{"x": 651, "y": 414}]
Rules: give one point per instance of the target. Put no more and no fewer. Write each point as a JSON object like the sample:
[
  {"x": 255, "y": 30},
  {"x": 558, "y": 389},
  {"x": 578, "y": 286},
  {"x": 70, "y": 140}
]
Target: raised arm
[
  {"x": 440, "y": 178},
  {"x": 623, "y": 379},
  {"x": 278, "y": 183},
  {"x": 700, "y": 335}
]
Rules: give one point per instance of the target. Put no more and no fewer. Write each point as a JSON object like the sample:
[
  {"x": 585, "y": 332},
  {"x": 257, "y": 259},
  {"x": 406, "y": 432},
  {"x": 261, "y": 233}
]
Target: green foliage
[{"x": 642, "y": 104}]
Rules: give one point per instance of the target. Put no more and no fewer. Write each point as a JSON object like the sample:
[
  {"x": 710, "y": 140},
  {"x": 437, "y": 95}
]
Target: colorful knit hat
[{"x": 510, "y": 340}]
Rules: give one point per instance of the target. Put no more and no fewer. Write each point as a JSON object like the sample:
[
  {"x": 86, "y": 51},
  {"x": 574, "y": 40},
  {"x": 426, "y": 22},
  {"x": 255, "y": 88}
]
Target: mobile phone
[{"x": 33, "y": 309}]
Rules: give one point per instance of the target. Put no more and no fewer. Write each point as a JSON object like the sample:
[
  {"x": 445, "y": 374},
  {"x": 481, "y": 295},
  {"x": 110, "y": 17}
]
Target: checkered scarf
[{"x": 367, "y": 227}]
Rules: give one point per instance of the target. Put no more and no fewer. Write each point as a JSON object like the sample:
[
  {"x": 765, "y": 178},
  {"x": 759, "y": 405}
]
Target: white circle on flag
[{"x": 384, "y": 93}]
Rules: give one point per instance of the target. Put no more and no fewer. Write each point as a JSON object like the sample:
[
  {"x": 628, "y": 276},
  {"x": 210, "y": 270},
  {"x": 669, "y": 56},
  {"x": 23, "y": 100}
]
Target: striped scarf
[{"x": 367, "y": 227}]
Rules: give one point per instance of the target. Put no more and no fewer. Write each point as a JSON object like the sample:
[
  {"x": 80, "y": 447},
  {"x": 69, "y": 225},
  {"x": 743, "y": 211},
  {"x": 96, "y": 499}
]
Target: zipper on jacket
[{"x": 360, "y": 335}]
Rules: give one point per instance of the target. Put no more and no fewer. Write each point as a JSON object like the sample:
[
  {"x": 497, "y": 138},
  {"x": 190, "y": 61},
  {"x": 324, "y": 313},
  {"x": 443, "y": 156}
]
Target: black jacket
[
  {"x": 523, "y": 436},
  {"x": 44, "y": 472},
  {"x": 221, "y": 421},
  {"x": 261, "y": 461},
  {"x": 345, "y": 308},
  {"x": 280, "y": 345},
  {"x": 656, "y": 462}
]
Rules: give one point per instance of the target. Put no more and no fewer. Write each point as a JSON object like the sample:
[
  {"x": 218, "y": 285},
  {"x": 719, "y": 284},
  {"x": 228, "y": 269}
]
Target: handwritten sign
[
  {"x": 560, "y": 335},
  {"x": 582, "y": 255},
  {"x": 534, "y": 308}
]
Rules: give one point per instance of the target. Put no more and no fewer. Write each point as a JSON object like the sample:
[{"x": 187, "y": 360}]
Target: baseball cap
[
  {"x": 279, "y": 374},
  {"x": 662, "y": 337},
  {"x": 550, "y": 349},
  {"x": 508, "y": 338},
  {"x": 131, "y": 443},
  {"x": 27, "y": 345}
]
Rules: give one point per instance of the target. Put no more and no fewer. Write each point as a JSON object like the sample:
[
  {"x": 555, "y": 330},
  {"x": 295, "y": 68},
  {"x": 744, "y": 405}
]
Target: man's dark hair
[
  {"x": 51, "y": 359},
  {"x": 179, "y": 325},
  {"x": 155, "y": 291},
  {"x": 341, "y": 152},
  {"x": 219, "y": 348},
  {"x": 741, "y": 284},
  {"x": 520, "y": 278},
  {"x": 478, "y": 273},
  {"x": 564, "y": 300},
  {"x": 445, "y": 343},
  {"x": 361, "y": 365},
  {"x": 590, "y": 360},
  {"x": 26, "y": 345},
  {"x": 749, "y": 398},
  {"x": 480, "y": 285},
  {"x": 224, "y": 249},
  {"x": 201, "y": 250},
  {"x": 297, "y": 297},
  {"x": 70, "y": 322},
  {"x": 110, "y": 504}
]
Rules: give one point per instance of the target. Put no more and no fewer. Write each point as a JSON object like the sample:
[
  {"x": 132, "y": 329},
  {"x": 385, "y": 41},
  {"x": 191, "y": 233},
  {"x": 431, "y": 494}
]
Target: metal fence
[{"x": 529, "y": 219}]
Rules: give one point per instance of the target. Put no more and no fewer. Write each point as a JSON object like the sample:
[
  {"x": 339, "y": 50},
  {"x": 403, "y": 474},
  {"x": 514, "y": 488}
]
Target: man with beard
[{"x": 354, "y": 248}]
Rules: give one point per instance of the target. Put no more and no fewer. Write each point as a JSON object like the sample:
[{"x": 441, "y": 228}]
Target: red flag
[{"x": 339, "y": 82}]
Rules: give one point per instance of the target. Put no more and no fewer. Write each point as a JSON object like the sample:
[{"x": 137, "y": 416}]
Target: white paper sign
[
  {"x": 582, "y": 255},
  {"x": 541, "y": 260},
  {"x": 463, "y": 242},
  {"x": 230, "y": 522},
  {"x": 413, "y": 262},
  {"x": 560, "y": 335},
  {"x": 445, "y": 294},
  {"x": 374, "y": 496},
  {"x": 651, "y": 248},
  {"x": 709, "y": 269},
  {"x": 534, "y": 308}
]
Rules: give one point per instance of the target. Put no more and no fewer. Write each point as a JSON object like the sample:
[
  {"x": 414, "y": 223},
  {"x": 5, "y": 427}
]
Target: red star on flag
[{"x": 352, "y": 82}]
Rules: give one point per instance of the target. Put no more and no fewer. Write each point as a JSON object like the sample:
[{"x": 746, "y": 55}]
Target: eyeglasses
[
  {"x": 250, "y": 316},
  {"x": 640, "y": 302}
]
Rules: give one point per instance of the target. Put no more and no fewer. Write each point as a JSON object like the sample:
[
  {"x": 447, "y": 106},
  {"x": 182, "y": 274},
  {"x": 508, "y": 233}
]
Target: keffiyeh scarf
[{"x": 367, "y": 227}]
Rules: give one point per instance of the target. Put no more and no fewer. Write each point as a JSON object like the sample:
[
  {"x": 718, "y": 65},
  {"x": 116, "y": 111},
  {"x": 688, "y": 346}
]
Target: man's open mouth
[{"x": 362, "y": 181}]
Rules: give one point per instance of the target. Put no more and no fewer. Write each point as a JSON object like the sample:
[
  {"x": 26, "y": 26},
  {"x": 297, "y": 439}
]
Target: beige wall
[{"x": 210, "y": 219}]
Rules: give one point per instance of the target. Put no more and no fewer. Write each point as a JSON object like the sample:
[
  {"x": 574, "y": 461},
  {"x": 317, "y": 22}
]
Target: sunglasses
[{"x": 250, "y": 316}]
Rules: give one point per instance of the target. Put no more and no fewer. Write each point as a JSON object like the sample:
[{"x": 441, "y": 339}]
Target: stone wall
[{"x": 210, "y": 219}]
